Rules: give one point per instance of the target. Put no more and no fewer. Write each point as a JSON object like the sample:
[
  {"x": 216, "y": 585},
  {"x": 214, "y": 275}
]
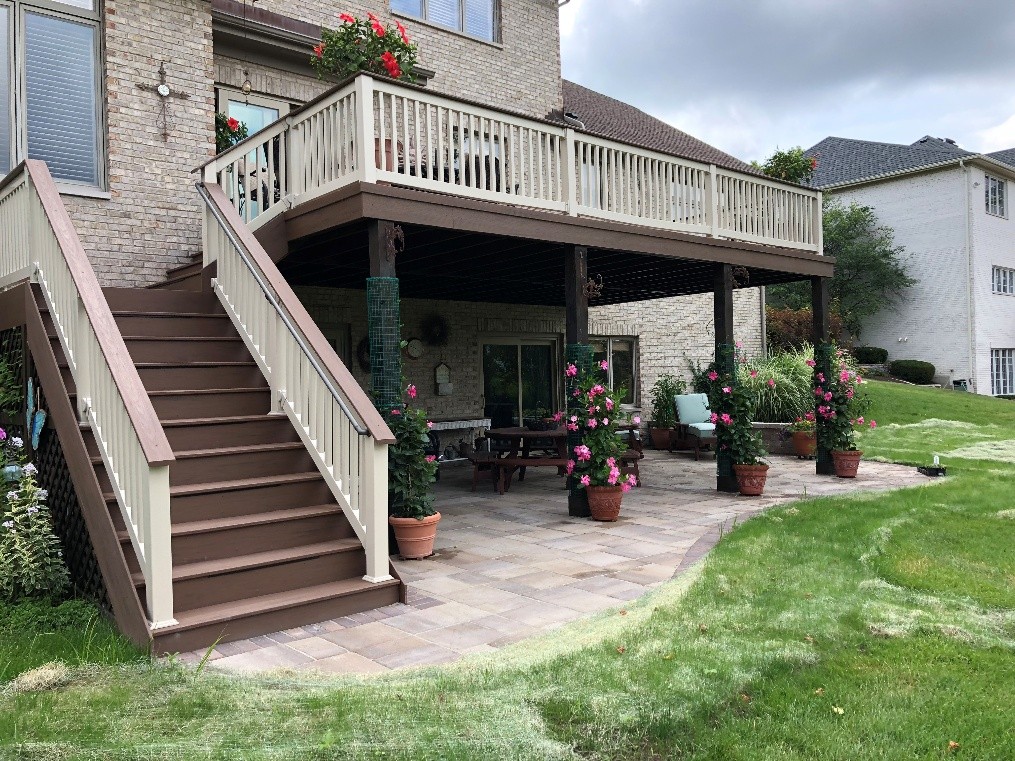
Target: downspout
[{"x": 970, "y": 311}]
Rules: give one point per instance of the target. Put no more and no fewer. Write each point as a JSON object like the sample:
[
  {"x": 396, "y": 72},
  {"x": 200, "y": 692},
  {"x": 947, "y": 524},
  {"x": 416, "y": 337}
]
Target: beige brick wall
[
  {"x": 268, "y": 80},
  {"x": 521, "y": 73},
  {"x": 669, "y": 331},
  {"x": 150, "y": 222}
]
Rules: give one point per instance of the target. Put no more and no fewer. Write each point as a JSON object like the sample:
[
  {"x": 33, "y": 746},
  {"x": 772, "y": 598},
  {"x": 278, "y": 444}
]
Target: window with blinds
[
  {"x": 477, "y": 18},
  {"x": 50, "y": 111}
]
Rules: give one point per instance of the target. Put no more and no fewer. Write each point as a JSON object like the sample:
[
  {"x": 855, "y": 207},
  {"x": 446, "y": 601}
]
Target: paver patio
[{"x": 508, "y": 567}]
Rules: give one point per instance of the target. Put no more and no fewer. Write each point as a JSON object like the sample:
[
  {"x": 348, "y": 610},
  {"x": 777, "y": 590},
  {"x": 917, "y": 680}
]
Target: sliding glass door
[{"x": 519, "y": 380}]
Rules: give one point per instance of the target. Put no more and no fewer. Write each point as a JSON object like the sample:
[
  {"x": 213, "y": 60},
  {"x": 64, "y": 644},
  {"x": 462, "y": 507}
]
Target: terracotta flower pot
[
  {"x": 805, "y": 443},
  {"x": 415, "y": 536},
  {"x": 846, "y": 462},
  {"x": 751, "y": 479},
  {"x": 660, "y": 437},
  {"x": 604, "y": 502}
]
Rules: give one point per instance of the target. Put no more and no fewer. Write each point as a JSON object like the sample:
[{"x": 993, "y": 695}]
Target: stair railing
[
  {"x": 340, "y": 427},
  {"x": 38, "y": 242}
]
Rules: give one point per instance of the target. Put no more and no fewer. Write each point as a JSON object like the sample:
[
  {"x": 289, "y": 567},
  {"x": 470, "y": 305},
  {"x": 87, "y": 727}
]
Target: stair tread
[
  {"x": 209, "y": 525},
  {"x": 235, "y": 563},
  {"x": 188, "y": 339},
  {"x": 190, "y": 421},
  {"x": 191, "y": 391},
  {"x": 238, "y": 449},
  {"x": 242, "y": 483},
  {"x": 143, "y": 313},
  {"x": 197, "y": 363},
  {"x": 230, "y": 611}
]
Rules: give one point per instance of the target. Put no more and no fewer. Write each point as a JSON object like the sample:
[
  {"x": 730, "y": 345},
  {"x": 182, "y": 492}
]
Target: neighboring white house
[{"x": 951, "y": 210}]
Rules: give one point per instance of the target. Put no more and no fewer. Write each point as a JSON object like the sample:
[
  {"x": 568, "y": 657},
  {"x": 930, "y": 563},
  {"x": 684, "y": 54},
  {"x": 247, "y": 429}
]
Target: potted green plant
[
  {"x": 664, "y": 415},
  {"x": 365, "y": 45},
  {"x": 802, "y": 433},
  {"x": 596, "y": 461},
  {"x": 840, "y": 409},
  {"x": 411, "y": 474}
]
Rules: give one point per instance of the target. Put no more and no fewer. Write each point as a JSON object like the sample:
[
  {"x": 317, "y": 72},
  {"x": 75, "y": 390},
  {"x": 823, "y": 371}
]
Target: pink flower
[
  {"x": 574, "y": 418},
  {"x": 571, "y": 371},
  {"x": 429, "y": 424},
  {"x": 810, "y": 363},
  {"x": 611, "y": 462},
  {"x": 739, "y": 344},
  {"x": 727, "y": 390},
  {"x": 591, "y": 422},
  {"x": 401, "y": 31},
  {"x": 636, "y": 420},
  {"x": 859, "y": 380},
  {"x": 754, "y": 373},
  {"x": 821, "y": 377},
  {"x": 570, "y": 467},
  {"x": 725, "y": 418},
  {"x": 859, "y": 420},
  {"x": 345, "y": 18},
  {"x": 431, "y": 458},
  {"x": 822, "y": 409},
  {"x": 557, "y": 416},
  {"x": 572, "y": 427},
  {"x": 625, "y": 487},
  {"x": 771, "y": 382},
  {"x": 808, "y": 416},
  {"x": 819, "y": 391},
  {"x": 713, "y": 376},
  {"x": 844, "y": 376},
  {"x": 396, "y": 411},
  {"x": 596, "y": 390},
  {"x": 576, "y": 392},
  {"x": 583, "y": 453},
  {"x": 411, "y": 391},
  {"x": 632, "y": 480},
  {"x": 874, "y": 424},
  {"x": 585, "y": 480},
  {"x": 606, "y": 421},
  {"x": 714, "y": 418},
  {"x": 604, "y": 365},
  {"x": 609, "y": 405},
  {"x": 828, "y": 396},
  {"x": 3, "y": 434},
  {"x": 318, "y": 50}
]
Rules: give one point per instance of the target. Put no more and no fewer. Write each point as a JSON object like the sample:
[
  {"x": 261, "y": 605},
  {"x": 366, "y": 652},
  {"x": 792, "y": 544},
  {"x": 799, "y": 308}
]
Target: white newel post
[
  {"x": 374, "y": 507},
  {"x": 365, "y": 127},
  {"x": 571, "y": 168},
  {"x": 158, "y": 549},
  {"x": 712, "y": 204},
  {"x": 818, "y": 233}
]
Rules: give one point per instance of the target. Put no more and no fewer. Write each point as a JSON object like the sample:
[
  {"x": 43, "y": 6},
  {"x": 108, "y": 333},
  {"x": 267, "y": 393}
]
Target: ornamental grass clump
[
  {"x": 411, "y": 471},
  {"x": 595, "y": 413},
  {"x": 365, "y": 45},
  {"x": 31, "y": 562},
  {"x": 841, "y": 406}
]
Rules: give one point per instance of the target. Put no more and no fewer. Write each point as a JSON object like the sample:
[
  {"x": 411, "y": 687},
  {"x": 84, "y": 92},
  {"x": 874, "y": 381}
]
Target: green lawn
[{"x": 867, "y": 627}]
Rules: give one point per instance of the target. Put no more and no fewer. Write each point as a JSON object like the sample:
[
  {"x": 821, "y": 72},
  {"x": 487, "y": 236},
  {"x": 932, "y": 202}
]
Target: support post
[
  {"x": 383, "y": 319},
  {"x": 374, "y": 472},
  {"x": 822, "y": 364},
  {"x": 578, "y": 352},
  {"x": 725, "y": 478},
  {"x": 569, "y": 171}
]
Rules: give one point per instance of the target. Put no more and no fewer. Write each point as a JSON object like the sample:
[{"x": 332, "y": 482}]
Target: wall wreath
[{"x": 434, "y": 330}]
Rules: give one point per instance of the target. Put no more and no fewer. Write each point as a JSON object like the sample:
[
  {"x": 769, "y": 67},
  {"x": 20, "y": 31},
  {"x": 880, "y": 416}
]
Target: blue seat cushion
[
  {"x": 692, "y": 408},
  {"x": 701, "y": 430}
]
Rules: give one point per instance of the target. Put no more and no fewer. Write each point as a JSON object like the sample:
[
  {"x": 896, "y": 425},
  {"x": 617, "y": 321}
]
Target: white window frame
[
  {"x": 1003, "y": 280},
  {"x": 495, "y": 35},
  {"x": 633, "y": 340},
  {"x": 996, "y": 196},
  {"x": 1002, "y": 372},
  {"x": 19, "y": 99}
]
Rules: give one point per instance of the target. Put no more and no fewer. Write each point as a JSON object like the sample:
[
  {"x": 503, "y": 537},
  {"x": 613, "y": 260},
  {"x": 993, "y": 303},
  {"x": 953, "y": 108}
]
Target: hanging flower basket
[{"x": 365, "y": 45}]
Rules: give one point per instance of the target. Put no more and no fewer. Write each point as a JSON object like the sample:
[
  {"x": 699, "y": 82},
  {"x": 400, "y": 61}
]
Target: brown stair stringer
[{"x": 130, "y": 616}]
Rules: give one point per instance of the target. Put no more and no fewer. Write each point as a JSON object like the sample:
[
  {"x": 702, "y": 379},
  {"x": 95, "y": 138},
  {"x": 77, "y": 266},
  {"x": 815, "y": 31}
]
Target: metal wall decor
[
  {"x": 394, "y": 241},
  {"x": 166, "y": 95},
  {"x": 435, "y": 330},
  {"x": 593, "y": 287}
]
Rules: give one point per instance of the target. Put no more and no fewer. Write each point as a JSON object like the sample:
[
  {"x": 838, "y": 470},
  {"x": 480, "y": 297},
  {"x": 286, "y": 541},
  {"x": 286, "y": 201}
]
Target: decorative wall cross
[{"x": 166, "y": 94}]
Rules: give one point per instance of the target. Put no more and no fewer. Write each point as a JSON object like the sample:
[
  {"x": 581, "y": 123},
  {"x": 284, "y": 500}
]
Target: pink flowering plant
[
  {"x": 840, "y": 406},
  {"x": 411, "y": 471},
  {"x": 365, "y": 45},
  {"x": 733, "y": 404},
  {"x": 596, "y": 414}
]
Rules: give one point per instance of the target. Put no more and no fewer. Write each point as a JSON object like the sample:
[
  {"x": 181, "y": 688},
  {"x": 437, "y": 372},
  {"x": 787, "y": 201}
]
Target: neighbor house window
[
  {"x": 1002, "y": 372},
  {"x": 477, "y": 18},
  {"x": 619, "y": 353},
  {"x": 996, "y": 192},
  {"x": 49, "y": 88},
  {"x": 1004, "y": 280}
]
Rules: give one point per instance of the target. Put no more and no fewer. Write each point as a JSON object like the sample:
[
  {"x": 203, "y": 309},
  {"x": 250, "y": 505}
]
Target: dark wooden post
[
  {"x": 822, "y": 362},
  {"x": 383, "y": 320},
  {"x": 578, "y": 352},
  {"x": 725, "y": 478}
]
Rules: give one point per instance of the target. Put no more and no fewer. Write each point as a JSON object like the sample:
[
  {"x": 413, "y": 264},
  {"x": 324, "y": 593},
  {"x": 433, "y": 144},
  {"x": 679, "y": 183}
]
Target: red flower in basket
[{"x": 234, "y": 124}]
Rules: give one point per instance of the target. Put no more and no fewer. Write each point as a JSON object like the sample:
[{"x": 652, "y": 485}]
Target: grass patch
[{"x": 876, "y": 627}]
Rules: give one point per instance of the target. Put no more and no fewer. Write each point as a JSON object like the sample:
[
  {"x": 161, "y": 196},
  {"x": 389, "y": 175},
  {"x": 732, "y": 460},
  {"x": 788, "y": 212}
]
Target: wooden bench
[{"x": 506, "y": 466}]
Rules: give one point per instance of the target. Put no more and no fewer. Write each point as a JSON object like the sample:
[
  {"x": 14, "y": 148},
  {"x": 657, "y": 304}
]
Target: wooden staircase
[{"x": 259, "y": 543}]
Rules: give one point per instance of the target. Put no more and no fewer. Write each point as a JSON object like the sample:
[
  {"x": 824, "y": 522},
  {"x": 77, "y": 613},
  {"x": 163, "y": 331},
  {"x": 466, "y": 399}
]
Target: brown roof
[{"x": 614, "y": 119}]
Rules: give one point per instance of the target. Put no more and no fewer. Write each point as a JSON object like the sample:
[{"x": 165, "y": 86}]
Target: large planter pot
[
  {"x": 751, "y": 479},
  {"x": 805, "y": 443},
  {"x": 415, "y": 536},
  {"x": 846, "y": 462},
  {"x": 604, "y": 502},
  {"x": 660, "y": 437}
]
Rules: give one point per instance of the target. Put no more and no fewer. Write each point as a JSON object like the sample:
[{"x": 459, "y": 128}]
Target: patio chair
[
  {"x": 694, "y": 420},
  {"x": 630, "y": 458}
]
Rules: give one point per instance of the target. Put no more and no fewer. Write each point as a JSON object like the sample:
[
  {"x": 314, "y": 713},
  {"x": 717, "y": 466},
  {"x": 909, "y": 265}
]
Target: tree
[
  {"x": 870, "y": 272},
  {"x": 790, "y": 166}
]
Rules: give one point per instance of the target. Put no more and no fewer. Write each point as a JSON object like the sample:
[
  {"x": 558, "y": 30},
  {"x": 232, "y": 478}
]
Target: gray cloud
[{"x": 747, "y": 75}]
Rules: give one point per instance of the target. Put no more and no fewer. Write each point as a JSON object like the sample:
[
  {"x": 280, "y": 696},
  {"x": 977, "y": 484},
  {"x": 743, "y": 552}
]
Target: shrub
[
  {"x": 870, "y": 355},
  {"x": 912, "y": 370},
  {"x": 794, "y": 328},
  {"x": 664, "y": 415},
  {"x": 411, "y": 471}
]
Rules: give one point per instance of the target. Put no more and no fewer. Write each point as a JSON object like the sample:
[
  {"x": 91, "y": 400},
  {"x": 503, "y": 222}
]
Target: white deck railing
[
  {"x": 410, "y": 137},
  {"x": 38, "y": 241},
  {"x": 341, "y": 429}
]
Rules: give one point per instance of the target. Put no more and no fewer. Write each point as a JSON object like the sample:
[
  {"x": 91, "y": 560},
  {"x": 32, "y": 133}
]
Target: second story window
[
  {"x": 1004, "y": 281},
  {"x": 477, "y": 18},
  {"x": 996, "y": 192},
  {"x": 49, "y": 88}
]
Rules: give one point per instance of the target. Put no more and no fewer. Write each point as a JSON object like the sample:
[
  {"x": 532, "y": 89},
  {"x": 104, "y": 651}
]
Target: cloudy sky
[{"x": 751, "y": 75}]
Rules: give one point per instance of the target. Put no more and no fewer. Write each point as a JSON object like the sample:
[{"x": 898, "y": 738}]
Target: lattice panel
[{"x": 384, "y": 328}]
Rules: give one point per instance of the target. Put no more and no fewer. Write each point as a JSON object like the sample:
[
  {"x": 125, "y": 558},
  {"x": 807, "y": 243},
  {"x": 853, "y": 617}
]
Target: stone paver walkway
[{"x": 508, "y": 567}]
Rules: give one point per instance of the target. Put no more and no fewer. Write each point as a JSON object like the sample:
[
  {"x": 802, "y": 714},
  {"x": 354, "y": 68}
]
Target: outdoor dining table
[{"x": 517, "y": 450}]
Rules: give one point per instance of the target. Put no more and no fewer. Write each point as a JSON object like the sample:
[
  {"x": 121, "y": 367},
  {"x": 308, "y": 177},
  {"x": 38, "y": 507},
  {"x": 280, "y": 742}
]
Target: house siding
[{"x": 928, "y": 214}]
